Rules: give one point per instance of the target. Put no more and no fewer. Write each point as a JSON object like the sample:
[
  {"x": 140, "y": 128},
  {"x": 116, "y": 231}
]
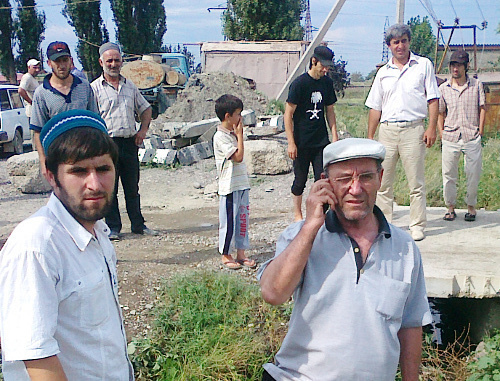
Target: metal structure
[
  {"x": 308, "y": 35},
  {"x": 385, "y": 48}
]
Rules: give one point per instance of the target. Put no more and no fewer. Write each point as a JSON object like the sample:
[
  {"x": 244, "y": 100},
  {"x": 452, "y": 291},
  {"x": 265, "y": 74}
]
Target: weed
[
  {"x": 275, "y": 107},
  {"x": 209, "y": 326},
  {"x": 485, "y": 365}
]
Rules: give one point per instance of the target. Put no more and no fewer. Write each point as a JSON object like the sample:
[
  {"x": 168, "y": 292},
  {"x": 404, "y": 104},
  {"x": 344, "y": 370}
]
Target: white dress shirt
[
  {"x": 59, "y": 296},
  {"x": 402, "y": 95}
]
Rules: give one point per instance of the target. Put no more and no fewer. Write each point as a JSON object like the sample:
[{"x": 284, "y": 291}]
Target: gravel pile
[{"x": 197, "y": 101}]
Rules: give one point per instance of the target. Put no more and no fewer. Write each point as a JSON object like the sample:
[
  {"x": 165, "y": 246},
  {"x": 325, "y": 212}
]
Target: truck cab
[{"x": 176, "y": 61}]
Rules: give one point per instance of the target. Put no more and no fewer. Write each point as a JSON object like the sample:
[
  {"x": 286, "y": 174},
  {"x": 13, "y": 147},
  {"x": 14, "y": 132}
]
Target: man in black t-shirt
[{"x": 310, "y": 100}]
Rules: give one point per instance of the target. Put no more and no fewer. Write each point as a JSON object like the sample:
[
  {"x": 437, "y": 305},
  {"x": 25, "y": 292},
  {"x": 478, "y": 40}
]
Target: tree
[
  {"x": 356, "y": 77},
  {"x": 140, "y": 25},
  {"x": 6, "y": 39},
  {"x": 85, "y": 18},
  {"x": 423, "y": 41},
  {"x": 340, "y": 77},
  {"x": 29, "y": 27},
  {"x": 258, "y": 20}
]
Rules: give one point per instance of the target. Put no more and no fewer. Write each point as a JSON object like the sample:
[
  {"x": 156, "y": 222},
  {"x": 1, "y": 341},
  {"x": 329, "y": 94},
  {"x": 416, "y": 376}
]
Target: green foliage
[
  {"x": 85, "y": 18},
  {"x": 259, "y": 20},
  {"x": 29, "y": 27},
  {"x": 184, "y": 50},
  {"x": 275, "y": 107},
  {"x": 140, "y": 25},
  {"x": 209, "y": 326},
  {"x": 423, "y": 41},
  {"x": 7, "y": 66},
  {"x": 356, "y": 77},
  {"x": 486, "y": 364}
]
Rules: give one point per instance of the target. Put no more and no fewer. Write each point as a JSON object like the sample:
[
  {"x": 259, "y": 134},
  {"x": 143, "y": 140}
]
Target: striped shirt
[
  {"x": 232, "y": 175},
  {"x": 462, "y": 107},
  {"x": 118, "y": 106},
  {"x": 48, "y": 101}
]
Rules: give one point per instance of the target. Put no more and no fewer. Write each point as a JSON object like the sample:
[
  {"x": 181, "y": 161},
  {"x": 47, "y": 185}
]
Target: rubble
[{"x": 25, "y": 175}]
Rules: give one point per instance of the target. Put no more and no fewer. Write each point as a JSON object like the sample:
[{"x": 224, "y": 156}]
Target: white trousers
[
  {"x": 473, "y": 165},
  {"x": 405, "y": 143}
]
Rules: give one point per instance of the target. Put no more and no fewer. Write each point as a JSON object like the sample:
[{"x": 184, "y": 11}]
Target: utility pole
[
  {"x": 385, "y": 48},
  {"x": 309, "y": 52},
  {"x": 308, "y": 32},
  {"x": 400, "y": 11}
]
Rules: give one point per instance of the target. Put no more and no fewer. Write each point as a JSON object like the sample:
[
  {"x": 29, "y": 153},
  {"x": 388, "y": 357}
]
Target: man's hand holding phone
[{"x": 321, "y": 193}]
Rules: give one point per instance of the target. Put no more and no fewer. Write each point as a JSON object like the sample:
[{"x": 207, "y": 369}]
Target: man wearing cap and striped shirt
[
  {"x": 60, "y": 91},
  {"x": 60, "y": 319},
  {"x": 357, "y": 281}
]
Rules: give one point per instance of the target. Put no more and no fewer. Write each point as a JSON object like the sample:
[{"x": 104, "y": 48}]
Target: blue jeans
[{"x": 127, "y": 170}]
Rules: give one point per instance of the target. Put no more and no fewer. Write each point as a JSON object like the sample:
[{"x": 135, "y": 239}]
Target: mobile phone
[{"x": 326, "y": 207}]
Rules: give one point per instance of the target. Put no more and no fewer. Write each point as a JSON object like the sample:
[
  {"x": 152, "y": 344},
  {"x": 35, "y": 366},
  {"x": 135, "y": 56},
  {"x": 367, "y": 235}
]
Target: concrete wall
[{"x": 267, "y": 63}]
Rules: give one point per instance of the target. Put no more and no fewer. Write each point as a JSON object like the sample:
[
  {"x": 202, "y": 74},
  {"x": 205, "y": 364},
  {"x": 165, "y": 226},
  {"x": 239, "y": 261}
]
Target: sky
[{"x": 356, "y": 35}]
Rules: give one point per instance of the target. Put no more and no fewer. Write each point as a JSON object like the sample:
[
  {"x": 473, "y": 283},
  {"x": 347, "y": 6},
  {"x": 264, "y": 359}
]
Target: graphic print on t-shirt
[{"x": 316, "y": 98}]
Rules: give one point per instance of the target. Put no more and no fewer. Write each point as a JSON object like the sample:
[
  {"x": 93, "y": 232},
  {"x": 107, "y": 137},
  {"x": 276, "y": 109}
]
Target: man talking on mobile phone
[{"x": 358, "y": 282}]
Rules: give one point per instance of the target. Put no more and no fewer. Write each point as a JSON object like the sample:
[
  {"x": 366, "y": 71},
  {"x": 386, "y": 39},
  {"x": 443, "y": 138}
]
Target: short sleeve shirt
[
  {"x": 462, "y": 108},
  {"x": 345, "y": 320},
  {"x": 29, "y": 84},
  {"x": 59, "y": 296},
  {"x": 233, "y": 176},
  {"x": 311, "y": 97},
  {"x": 118, "y": 106},
  {"x": 48, "y": 101},
  {"x": 402, "y": 95}
]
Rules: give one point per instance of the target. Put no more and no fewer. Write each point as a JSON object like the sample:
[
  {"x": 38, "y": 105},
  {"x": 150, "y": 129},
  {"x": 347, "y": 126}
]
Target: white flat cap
[{"x": 352, "y": 148}]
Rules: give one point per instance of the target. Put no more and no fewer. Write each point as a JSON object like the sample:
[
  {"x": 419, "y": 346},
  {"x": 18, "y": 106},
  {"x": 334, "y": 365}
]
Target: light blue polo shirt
[{"x": 346, "y": 318}]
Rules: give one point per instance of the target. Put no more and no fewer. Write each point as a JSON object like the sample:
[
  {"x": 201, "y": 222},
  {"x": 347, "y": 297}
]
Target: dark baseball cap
[
  {"x": 57, "y": 49},
  {"x": 459, "y": 56},
  {"x": 323, "y": 55}
]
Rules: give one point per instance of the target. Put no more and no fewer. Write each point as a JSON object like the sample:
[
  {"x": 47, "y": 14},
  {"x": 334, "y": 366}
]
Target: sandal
[
  {"x": 247, "y": 262},
  {"x": 232, "y": 265},
  {"x": 470, "y": 217},
  {"x": 450, "y": 216}
]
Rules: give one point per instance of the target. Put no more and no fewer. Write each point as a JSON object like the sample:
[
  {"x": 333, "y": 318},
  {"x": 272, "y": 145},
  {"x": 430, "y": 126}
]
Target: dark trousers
[
  {"x": 127, "y": 170},
  {"x": 301, "y": 163},
  {"x": 267, "y": 377}
]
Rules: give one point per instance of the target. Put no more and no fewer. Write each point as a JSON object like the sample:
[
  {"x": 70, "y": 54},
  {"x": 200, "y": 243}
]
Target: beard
[
  {"x": 112, "y": 73},
  {"x": 82, "y": 212}
]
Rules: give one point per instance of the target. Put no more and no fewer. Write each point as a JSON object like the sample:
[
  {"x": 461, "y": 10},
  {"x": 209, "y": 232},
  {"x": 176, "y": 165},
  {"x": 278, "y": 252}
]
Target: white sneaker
[{"x": 417, "y": 235}]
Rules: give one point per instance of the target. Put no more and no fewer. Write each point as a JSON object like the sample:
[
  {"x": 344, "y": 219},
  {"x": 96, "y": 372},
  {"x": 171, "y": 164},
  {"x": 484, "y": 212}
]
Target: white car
[{"x": 14, "y": 126}]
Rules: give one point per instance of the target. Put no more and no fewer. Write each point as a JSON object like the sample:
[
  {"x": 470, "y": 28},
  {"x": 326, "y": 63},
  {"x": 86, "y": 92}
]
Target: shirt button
[
  {"x": 356, "y": 250},
  {"x": 361, "y": 271}
]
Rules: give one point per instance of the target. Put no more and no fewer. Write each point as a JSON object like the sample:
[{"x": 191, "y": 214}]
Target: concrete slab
[{"x": 460, "y": 258}]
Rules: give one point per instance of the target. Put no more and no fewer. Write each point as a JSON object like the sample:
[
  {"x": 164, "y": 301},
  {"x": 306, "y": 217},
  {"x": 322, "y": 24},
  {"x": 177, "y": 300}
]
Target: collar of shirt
[
  {"x": 81, "y": 236},
  {"x": 333, "y": 225},
  {"x": 225, "y": 130},
  {"x": 411, "y": 61},
  {"x": 48, "y": 86},
  {"x": 103, "y": 80},
  {"x": 449, "y": 83}
]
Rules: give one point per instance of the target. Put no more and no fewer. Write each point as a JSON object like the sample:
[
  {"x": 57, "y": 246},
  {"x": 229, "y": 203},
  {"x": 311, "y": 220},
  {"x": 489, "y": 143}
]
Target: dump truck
[{"x": 159, "y": 77}]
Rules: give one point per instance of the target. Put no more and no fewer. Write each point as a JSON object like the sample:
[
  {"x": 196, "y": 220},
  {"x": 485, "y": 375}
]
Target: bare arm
[
  {"x": 482, "y": 117},
  {"x": 288, "y": 119},
  {"x": 440, "y": 123},
  {"x": 46, "y": 369},
  {"x": 373, "y": 121},
  {"x": 430, "y": 133},
  {"x": 23, "y": 93},
  {"x": 145, "y": 121},
  {"x": 282, "y": 274},
  {"x": 332, "y": 122},
  {"x": 41, "y": 153},
  {"x": 238, "y": 155},
  {"x": 410, "y": 340}
]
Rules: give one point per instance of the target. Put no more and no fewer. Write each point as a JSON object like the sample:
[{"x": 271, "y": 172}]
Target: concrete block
[
  {"x": 168, "y": 143},
  {"x": 248, "y": 117},
  {"x": 165, "y": 156},
  {"x": 266, "y": 157},
  {"x": 178, "y": 143},
  {"x": 172, "y": 129},
  {"x": 146, "y": 155},
  {"x": 204, "y": 149},
  {"x": 208, "y": 136},
  {"x": 153, "y": 142},
  {"x": 189, "y": 155},
  {"x": 195, "y": 129}
]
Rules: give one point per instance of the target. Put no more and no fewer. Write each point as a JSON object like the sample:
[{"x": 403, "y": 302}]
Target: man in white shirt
[
  {"x": 60, "y": 318},
  {"x": 29, "y": 84},
  {"x": 403, "y": 91}
]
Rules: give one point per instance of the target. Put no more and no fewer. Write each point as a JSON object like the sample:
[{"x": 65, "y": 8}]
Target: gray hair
[{"x": 397, "y": 31}]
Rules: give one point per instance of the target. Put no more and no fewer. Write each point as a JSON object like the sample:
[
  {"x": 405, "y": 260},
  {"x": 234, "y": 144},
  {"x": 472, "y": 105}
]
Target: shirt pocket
[
  {"x": 391, "y": 299},
  {"x": 94, "y": 306}
]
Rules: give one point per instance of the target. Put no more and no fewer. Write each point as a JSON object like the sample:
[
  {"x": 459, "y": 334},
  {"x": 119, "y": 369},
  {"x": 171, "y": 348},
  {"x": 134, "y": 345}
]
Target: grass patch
[{"x": 209, "y": 326}]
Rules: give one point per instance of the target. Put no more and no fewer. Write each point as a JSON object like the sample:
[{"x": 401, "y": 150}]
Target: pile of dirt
[{"x": 197, "y": 101}]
